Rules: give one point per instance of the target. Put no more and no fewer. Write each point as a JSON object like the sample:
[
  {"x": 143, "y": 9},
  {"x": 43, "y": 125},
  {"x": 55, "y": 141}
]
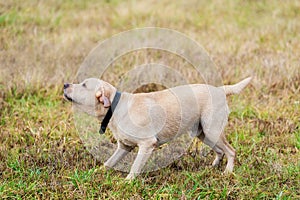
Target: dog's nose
[{"x": 66, "y": 85}]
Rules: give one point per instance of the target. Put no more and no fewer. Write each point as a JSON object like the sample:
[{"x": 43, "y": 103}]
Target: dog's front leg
[
  {"x": 142, "y": 157},
  {"x": 120, "y": 153}
]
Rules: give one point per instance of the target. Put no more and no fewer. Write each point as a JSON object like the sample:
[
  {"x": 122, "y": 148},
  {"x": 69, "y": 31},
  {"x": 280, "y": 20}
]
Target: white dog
[{"x": 148, "y": 120}]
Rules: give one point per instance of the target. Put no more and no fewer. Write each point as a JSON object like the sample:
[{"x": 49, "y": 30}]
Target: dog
[{"x": 148, "y": 120}]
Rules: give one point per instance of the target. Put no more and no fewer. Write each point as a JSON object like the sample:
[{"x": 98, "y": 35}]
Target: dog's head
[{"x": 92, "y": 96}]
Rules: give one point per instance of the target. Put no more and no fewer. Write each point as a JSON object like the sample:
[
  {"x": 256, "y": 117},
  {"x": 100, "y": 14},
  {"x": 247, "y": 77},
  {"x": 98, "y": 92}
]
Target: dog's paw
[
  {"x": 227, "y": 171},
  {"x": 216, "y": 163},
  {"x": 130, "y": 177},
  {"x": 107, "y": 166}
]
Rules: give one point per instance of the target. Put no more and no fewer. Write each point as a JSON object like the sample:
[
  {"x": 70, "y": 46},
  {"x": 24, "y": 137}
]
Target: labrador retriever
[{"x": 148, "y": 120}]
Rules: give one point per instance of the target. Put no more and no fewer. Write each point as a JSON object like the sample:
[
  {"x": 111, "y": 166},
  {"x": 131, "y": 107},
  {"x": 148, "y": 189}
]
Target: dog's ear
[{"x": 102, "y": 98}]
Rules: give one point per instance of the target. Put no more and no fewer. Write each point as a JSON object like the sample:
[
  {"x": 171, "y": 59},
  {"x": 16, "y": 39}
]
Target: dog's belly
[
  {"x": 170, "y": 129},
  {"x": 174, "y": 130}
]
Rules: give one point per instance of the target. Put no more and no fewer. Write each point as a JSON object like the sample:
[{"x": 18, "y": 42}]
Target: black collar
[{"x": 109, "y": 113}]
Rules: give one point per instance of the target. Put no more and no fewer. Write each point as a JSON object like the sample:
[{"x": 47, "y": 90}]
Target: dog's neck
[
  {"x": 113, "y": 94},
  {"x": 110, "y": 111}
]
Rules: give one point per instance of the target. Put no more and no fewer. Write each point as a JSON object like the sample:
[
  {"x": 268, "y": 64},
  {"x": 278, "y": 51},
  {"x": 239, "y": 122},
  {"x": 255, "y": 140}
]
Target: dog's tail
[{"x": 236, "y": 88}]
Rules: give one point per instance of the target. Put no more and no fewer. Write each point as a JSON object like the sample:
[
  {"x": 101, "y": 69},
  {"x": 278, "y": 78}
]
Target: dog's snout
[{"x": 66, "y": 85}]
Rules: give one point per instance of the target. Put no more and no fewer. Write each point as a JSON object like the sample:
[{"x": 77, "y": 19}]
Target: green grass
[
  {"x": 43, "y": 157},
  {"x": 42, "y": 44}
]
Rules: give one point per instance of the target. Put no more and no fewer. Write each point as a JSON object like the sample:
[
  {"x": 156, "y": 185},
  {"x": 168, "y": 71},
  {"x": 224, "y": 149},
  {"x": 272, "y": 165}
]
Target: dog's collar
[{"x": 109, "y": 113}]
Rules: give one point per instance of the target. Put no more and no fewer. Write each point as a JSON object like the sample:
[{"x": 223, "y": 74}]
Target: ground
[{"x": 43, "y": 43}]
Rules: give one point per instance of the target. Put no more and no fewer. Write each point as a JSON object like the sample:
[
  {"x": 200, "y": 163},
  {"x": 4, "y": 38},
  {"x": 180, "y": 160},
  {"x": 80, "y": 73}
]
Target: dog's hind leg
[
  {"x": 213, "y": 128},
  {"x": 219, "y": 155},
  {"x": 219, "y": 152},
  {"x": 222, "y": 147},
  {"x": 230, "y": 154}
]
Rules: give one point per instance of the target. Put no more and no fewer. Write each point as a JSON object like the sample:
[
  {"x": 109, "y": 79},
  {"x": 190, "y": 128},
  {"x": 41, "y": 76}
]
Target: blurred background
[{"x": 45, "y": 42}]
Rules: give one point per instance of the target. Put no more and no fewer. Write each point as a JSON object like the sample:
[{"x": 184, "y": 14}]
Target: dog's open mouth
[{"x": 68, "y": 98}]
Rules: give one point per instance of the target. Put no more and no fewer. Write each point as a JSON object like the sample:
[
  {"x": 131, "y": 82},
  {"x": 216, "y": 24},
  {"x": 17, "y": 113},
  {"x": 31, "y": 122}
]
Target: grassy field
[{"x": 43, "y": 43}]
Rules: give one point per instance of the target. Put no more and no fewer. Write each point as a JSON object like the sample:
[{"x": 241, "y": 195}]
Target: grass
[{"x": 43, "y": 43}]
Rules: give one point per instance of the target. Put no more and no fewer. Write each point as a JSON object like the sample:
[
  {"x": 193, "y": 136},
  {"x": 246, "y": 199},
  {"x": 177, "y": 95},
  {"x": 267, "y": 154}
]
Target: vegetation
[{"x": 43, "y": 43}]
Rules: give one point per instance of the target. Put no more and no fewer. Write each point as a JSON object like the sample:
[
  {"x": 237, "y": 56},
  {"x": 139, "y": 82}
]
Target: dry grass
[{"x": 42, "y": 44}]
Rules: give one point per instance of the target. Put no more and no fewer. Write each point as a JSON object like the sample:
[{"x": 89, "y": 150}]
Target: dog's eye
[{"x": 84, "y": 85}]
